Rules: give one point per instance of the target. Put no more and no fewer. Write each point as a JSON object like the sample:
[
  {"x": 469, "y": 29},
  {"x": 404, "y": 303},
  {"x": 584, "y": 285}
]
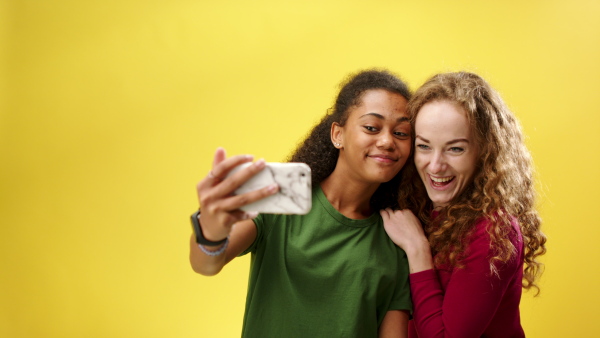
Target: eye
[
  {"x": 401, "y": 134},
  {"x": 422, "y": 146},
  {"x": 457, "y": 150},
  {"x": 370, "y": 128}
]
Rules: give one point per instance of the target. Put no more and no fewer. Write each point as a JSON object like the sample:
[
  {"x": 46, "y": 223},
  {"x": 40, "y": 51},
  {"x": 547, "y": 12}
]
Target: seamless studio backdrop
[{"x": 111, "y": 111}]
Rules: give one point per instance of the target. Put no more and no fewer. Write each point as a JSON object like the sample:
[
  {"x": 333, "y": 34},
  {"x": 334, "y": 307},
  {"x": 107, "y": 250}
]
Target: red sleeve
[{"x": 468, "y": 302}]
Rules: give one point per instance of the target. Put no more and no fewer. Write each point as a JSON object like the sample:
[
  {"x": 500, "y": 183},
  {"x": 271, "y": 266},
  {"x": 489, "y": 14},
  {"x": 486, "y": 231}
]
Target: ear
[{"x": 337, "y": 135}]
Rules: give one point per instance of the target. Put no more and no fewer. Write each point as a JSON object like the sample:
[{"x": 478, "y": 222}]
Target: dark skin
[
  {"x": 373, "y": 149},
  {"x": 220, "y": 211}
]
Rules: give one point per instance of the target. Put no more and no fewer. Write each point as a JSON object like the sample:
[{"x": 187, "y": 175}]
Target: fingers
[
  {"x": 215, "y": 191},
  {"x": 398, "y": 217},
  {"x": 224, "y": 212},
  {"x": 215, "y": 202},
  {"x": 220, "y": 156},
  {"x": 241, "y": 215},
  {"x": 237, "y": 201},
  {"x": 389, "y": 212},
  {"x": 385, "y": 213},
  {"x": 235, "y": 180},
  {"x": 220, "y": 208},
  {"x": 221, "y": 168}
]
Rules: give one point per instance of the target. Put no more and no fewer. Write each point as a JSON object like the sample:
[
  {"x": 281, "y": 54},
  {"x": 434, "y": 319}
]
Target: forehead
[
  {"x": 442, "y": 119},
  {"x": 380, "y": 101}
]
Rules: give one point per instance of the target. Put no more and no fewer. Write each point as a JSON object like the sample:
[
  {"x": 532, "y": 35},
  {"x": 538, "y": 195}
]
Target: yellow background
[{"x": 111, "y": 111}]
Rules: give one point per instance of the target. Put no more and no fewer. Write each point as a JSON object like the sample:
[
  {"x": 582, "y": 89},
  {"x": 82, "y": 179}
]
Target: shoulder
[
  {"x": 484, "y": 226},
  {"x": 501, "y": 240}
]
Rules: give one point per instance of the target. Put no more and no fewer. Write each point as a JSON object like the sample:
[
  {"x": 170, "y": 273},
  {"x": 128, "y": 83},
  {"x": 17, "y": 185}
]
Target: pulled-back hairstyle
[
  {"x": 502, "y": 186},
  {"x": 317, "y": 149}
]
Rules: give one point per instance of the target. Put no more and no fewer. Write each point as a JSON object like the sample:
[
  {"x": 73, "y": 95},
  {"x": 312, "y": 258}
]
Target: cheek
[
  {"x": 420, "y": 161},
  {"x": 420, "y": 164},
  {"x": 468, "y": 168},
  {"x": 406, "y": 147}
]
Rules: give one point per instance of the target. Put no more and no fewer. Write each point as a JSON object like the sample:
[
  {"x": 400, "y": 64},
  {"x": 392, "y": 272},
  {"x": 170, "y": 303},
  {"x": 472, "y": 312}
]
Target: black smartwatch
[{"x": 198, "y": 232}]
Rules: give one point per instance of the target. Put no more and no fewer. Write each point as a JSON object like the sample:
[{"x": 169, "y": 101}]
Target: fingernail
[
  {"x": 260, "y": 162},
  {"x": 272, "y": 187},
  {"x": 251, "y": 214}
]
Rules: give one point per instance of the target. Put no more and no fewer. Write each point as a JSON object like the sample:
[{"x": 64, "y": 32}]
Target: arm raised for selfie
[
  {"x": 242, "y": 235},
  {"x": 220, "y": 212}
]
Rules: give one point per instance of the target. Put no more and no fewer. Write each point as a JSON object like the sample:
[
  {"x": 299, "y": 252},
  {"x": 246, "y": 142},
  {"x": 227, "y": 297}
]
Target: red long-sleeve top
[{"x": 470, "y": 301}]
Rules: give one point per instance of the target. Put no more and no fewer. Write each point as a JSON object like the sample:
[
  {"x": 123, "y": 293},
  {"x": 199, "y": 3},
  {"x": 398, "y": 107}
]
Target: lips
[
  {"x": 384, "y": 158},
  {"x": 441, "y": 181}
]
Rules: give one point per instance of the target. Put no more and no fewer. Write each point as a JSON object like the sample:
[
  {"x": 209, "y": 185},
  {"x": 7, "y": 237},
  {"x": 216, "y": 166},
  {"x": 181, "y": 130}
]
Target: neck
[{"x": 352, "y": 199}]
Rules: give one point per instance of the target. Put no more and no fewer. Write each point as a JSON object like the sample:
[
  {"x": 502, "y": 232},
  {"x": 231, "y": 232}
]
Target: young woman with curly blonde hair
[{"x": 474, "y": 244}]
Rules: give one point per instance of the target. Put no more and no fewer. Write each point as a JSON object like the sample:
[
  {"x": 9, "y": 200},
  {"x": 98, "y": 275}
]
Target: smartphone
[{"x": 294, "y": 195}]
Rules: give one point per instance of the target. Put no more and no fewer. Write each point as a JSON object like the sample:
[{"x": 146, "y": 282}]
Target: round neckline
[{"x": 355, "y": 223}]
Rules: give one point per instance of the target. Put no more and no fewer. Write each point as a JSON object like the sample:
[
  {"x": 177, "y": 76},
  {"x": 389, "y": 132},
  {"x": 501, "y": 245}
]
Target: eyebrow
[
  {"x": 449, "y": 142},
  {"x": 381, "y": 117}
]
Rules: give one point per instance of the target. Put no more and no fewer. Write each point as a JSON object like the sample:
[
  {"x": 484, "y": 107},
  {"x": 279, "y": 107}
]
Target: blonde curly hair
[{"x": 502, "y": 188}]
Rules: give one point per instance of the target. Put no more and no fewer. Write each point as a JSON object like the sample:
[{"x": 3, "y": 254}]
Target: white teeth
[{"x": 440, "y": 179}]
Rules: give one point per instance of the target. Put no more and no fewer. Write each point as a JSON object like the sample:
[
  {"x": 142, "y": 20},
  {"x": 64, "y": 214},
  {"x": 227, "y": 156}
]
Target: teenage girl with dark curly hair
[
  {"x": 332, "y": 272},
  {"x": 480, "y": 233}
]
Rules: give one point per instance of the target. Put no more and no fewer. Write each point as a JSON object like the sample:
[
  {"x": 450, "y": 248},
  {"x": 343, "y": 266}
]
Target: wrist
[
  {"x": 419, "y": 257},
  {"x": 209, "y": 235},
  {"x": 199, "y": 234},
  {"x": 418, "y": 247},
  {"x": 217, "y": 252}
]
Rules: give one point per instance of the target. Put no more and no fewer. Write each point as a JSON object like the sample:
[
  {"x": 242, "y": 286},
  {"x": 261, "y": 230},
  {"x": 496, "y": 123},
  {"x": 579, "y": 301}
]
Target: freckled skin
[
  {"x": 445, "y": 150},
  {"x": 375, "y": 141}
]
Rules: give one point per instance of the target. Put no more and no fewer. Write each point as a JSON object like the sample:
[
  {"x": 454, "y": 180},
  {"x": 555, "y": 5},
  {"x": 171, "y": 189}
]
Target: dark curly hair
[
  {"x": 502, "y": 187},
  {"x": 317, "y": 149}
]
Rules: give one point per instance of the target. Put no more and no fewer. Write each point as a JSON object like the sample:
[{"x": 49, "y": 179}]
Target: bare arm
[
  {"x": 395, "y": 324},
  {"x": 220, "y": 211},
  {"x": 241, "y": 237}
]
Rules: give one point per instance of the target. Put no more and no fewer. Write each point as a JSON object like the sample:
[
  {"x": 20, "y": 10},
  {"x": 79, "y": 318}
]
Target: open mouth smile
[{"x": 441, "y": 181}]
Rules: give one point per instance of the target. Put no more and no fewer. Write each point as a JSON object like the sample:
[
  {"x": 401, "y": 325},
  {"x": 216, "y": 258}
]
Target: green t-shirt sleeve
[{"x": 261, "y": 222}]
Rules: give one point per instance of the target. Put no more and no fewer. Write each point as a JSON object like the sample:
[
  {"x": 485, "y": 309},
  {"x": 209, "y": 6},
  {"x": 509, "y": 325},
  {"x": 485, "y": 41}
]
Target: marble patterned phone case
[{"x": 294, "y": 195}]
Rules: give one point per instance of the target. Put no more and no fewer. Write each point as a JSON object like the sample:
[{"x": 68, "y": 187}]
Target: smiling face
[
  {"x": 445, "y": 150},
  {"x": 375, "y": 141}
]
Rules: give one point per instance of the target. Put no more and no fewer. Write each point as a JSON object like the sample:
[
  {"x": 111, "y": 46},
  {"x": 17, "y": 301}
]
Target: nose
[
  {"x": 438, "y": 163},
  {"x": 386, "y": 141}
]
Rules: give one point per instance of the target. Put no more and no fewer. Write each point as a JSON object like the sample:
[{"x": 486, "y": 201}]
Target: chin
[
  {"x": 384, "y": 177},
  {"x": 389, "y": 178},
  {"x": 440, "y": 201}
]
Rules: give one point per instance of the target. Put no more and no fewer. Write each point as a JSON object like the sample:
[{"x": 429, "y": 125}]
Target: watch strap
[{"x": 195, "y": 218}]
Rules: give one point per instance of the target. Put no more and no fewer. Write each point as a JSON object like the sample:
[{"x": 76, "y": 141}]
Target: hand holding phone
[
  {"x": 221, "y": 210},
  {"x": 295, "y": 192}
]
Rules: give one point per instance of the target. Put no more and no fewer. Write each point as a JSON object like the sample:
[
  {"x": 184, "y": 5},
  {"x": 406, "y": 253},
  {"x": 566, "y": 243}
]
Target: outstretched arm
[
  {"x": 220, "y": 211},
  {"x": 242, "y": 235}
]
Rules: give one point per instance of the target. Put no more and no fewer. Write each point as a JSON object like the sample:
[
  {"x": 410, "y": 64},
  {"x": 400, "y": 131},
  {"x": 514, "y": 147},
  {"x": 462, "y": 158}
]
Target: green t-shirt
[{"x": 323, "y": 275}]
